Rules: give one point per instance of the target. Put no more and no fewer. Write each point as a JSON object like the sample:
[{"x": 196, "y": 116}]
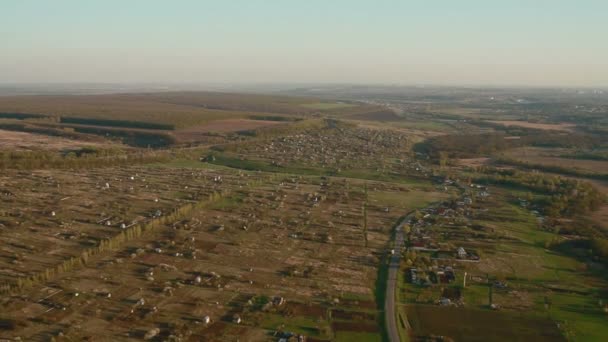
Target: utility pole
[
  {"x": 489, "y": 290},
  {"x": 365, "y": 217}
]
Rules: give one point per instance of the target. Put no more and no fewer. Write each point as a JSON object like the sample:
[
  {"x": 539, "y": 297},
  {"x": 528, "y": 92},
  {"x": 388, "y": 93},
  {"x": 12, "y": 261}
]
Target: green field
[
  {"x": 327, "y": 105},
  {"x": 252, "y": 164},
  {"x": 299, "y": 325},
  {"x": 414, "y": 199},
  {"x": 349, "y": 336},
  {"x": 480, "y": 325}
]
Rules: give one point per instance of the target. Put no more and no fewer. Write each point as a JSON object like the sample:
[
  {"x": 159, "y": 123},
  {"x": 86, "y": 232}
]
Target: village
[
  {"x": 193, "y": 253},
  {"x": 338, "y": 148},
  {"x": 432, "y": 254}
]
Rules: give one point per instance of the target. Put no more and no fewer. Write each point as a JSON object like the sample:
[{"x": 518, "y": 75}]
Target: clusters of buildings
[{"x": 436, "y": 241}]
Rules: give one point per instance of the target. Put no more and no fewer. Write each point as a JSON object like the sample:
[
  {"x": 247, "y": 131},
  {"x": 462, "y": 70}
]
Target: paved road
[{"x": 391, "y": 285}]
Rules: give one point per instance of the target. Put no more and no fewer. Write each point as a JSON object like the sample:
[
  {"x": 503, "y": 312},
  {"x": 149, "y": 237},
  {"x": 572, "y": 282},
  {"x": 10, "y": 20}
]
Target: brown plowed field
[
  {"x": 10, "y": 140},
  {"x": 222, "y": 126}
]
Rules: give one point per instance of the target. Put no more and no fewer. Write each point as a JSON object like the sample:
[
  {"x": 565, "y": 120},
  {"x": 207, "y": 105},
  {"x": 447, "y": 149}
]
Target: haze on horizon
[{"x": 443, "y": 42}]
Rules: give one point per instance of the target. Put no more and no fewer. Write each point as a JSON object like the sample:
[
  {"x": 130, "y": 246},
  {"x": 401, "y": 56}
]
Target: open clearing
[
  {"x": 323, "y": 106},
  {"x": 10, "y": 140},
  {"x": 473, "y": 162},
  {"x": 457, "y": 324},
  {"x": 550, "y": 157},
  {"x": 198, "y": 133},
  {"x": 230, "y": 125},
  {"x": 601, "y": 216},
  {"x": 566, "y": 127}
]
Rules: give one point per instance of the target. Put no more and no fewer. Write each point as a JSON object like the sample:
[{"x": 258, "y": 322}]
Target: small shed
[{"x": 462, "y": 253}]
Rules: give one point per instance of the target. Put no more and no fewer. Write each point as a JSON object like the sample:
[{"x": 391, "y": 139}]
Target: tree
[{"x": 443, "y": 158}]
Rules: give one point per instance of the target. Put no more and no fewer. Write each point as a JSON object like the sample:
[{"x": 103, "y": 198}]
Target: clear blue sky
[{"x": 531, "y": 42}]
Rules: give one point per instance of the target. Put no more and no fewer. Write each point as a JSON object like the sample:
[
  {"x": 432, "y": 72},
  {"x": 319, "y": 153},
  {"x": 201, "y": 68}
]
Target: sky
[{"x": 443, "y": 42}]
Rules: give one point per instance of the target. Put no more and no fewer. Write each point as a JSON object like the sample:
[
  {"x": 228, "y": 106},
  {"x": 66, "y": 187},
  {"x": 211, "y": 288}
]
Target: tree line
[
  {"x": 563, "y": 197},
  {"x": 552, "y": 168},
  {"x": 112, "y": 244},
  {"x": 475, "y": 145},
  {"x": 29, "y": 160},
  {"x": 559, "y": 198}
]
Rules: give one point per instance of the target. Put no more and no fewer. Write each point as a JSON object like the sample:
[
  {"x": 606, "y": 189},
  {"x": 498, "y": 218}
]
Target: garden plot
[
  {"x": 296, "y": 238},
  {"x": 337, "y": 149},
  {"x": 19, "y": 141},
  {"x": 47, "y": 217}
]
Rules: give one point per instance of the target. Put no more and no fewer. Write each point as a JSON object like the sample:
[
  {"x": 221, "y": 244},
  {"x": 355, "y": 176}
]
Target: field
[
  {"x": 601, "y": 216},
  {"x": 495, "y": 326},
  {"x": 202, "y": 132},
  {"x": 222, "y": 126},
  {"x": 324, "y": 106},
  {"x": 542, "y": 126},
  {"x": 554, "y": 157},
  {"x": 419, "y": 198},
  {"x": 161, "y": 119},
  {"x": 473, "y": 162},
  {"x": 19, "y": 141}
]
